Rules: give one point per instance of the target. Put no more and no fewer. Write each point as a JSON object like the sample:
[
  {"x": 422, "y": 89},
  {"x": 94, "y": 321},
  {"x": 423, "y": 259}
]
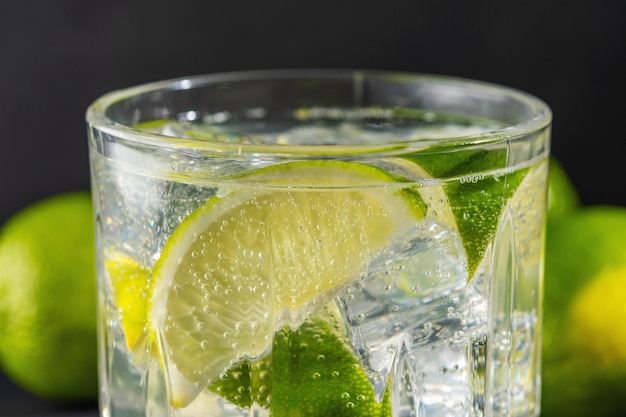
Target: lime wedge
[
  {"x": 130, "y": 282},
  {"x": 476, "y": 199},
  {"x": 310, "y": 372},
  {"x": 267, "y": 255},
  {"x": 320, "y": 378}
]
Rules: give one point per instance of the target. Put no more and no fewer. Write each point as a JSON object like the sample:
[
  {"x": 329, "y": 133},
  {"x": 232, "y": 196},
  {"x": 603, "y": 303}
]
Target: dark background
[{"x": 57, "y": 56}]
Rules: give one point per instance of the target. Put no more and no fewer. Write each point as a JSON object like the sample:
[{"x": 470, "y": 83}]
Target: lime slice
[
  {"x": 130, "y": 282},
  {"x": 267, "y": 255},
  {"x": 316, "y": 379},
  {"x": 476, "y": 199},
  {"x": 131, "y": 285},
  {"x": 312, "y": 371}
]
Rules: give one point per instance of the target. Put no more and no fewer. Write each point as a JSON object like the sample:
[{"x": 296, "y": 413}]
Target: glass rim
[{"x": 95, "y": 116}]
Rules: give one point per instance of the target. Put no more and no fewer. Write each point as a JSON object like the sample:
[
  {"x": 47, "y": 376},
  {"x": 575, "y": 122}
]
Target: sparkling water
[{"x": 440, "y": 342}]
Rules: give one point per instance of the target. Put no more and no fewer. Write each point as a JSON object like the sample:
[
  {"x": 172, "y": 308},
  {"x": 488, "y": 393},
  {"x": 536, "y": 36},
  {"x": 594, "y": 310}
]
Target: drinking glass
[{"x": 319, "y": 243}]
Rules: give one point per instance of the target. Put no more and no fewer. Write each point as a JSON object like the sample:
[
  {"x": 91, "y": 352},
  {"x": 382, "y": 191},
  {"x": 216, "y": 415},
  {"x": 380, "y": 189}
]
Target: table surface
[{"x": 15, "y": 402}]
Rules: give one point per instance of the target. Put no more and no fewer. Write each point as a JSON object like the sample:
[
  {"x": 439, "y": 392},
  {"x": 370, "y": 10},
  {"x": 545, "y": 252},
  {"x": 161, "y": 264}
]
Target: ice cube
[{"x": 415, "y": 297}]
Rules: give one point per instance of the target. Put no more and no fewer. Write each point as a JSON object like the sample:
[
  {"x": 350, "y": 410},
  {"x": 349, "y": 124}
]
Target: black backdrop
[{"x": 57, "y": 56}]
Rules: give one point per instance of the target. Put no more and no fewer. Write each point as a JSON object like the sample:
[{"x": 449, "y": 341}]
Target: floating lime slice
[{"x": 267, "y": 255}]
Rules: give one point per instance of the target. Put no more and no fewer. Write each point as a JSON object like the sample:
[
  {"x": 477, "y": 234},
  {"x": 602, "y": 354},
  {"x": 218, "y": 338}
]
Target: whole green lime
[
  {"x": 562, "y": 194},
  {"x": 47, "y": 299},
  {"x": 584, "y": 352}
]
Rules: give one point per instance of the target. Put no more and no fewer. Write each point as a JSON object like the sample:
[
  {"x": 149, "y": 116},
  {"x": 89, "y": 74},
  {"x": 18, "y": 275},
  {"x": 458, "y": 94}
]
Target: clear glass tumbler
[{"x": 319, "y": 243}]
